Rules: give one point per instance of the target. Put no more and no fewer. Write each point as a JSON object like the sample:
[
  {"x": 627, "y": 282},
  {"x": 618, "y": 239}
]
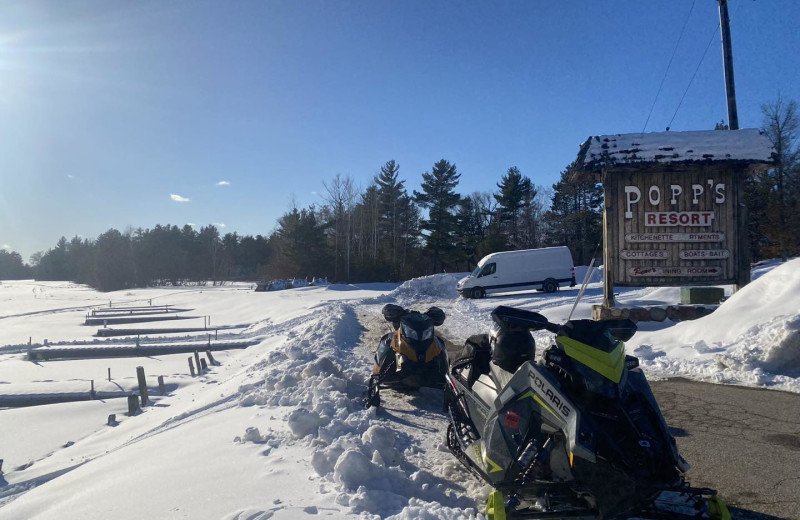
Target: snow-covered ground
[{"x": 277, "y": 430}]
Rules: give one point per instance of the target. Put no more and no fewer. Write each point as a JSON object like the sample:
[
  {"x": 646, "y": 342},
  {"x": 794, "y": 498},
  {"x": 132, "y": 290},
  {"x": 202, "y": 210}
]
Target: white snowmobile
[{"x": 577, "y": 435}]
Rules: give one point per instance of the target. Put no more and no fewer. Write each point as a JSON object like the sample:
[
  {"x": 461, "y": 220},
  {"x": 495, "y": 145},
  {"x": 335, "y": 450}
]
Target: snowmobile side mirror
[
  {"x": 437, "y": 315},
  {"x": 392, "y": 312}
]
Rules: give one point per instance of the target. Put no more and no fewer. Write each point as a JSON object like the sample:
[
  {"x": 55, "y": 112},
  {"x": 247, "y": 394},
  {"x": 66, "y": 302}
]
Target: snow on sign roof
[{"x": 748, "y": 146}]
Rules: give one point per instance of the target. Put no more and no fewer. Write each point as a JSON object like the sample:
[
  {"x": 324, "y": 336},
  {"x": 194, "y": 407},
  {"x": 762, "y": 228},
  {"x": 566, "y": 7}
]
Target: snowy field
[{"x": 277, "y": 430}]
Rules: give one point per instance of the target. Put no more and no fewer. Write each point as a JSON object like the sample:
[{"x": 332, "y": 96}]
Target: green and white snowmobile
[{"x": 577, "y": 435}]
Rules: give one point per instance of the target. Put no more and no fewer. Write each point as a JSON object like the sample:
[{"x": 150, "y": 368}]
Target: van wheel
[
  {"x": 478, "y": 293},
  {"x": 550, "y": 286}
]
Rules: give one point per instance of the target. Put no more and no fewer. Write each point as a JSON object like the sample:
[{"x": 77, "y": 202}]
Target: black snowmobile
[
  {"x": 411, "y": 356},
  {"x": 577, "y": 435}
]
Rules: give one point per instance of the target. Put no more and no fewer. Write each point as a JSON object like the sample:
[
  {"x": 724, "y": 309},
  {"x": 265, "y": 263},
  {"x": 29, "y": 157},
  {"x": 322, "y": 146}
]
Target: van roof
[{"x": 519, "y": 252}]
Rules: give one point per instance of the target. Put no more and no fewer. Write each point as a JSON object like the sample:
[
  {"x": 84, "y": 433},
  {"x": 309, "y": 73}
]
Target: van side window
[{"x": 488, "y": 269}]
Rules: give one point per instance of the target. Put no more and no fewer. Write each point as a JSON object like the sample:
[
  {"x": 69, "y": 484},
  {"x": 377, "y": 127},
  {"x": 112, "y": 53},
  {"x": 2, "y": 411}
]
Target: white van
[{"x": 544, "y": 269}]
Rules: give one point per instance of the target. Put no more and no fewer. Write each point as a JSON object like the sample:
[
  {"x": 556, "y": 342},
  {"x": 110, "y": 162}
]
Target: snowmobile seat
[
  {"x": 485, "y": 388},
  {"x": 474, "y": 359},
  {"x": 488, "y": 386}
]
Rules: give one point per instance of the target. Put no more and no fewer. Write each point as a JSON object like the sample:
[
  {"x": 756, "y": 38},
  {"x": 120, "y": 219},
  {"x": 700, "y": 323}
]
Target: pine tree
[
  {"x": 515, "y": 191},
  {"x": 390, "y": 192},
  {"x": 575, "y": 216},
  {"x": 114, "y": 265},
  {"x": 299, "y": 246},
  {"x": 440, "y": 200},
  {"x": 12, "y": 267}
]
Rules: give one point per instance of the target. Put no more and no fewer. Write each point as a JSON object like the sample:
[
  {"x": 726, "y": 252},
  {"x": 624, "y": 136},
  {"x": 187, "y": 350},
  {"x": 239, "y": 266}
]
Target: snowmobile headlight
[
  {"x": 427, "y": 333},
  {"x": 410, "y": 333}
]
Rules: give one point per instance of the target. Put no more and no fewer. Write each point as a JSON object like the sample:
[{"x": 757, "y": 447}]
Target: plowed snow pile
[{"x": 753, "y": 338}]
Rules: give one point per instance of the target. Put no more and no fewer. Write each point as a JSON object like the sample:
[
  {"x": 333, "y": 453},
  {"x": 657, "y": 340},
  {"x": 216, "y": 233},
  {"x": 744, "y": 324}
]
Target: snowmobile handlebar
[
  {"x": 509, "y": 318},
  {"x": 393, "y": 313}
]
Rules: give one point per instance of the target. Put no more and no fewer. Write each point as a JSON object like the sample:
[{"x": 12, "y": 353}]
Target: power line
[
  {"x": 710, "y": 41},
  {"x": 669, "y": 64},
  {"x": 698, "y": 66}
]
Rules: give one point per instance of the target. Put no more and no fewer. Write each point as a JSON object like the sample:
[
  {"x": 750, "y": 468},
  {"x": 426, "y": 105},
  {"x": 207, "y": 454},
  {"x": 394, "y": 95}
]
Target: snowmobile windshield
[
  {"x": 415, "y": 334},
  {"x": 417, "y": 328},
  {"x": 590, "y": 332}
]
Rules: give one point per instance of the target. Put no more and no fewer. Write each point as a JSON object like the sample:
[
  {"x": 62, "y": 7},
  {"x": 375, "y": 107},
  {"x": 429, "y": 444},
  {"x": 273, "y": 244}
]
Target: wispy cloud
[
  {"x": 178, "y": 198},
  {"x": 223, "y": 183},
  {"x": 6, "y": 247},
  {"x": 190, "y": 224},
  {"x": 70, "y": 176},
  {"x": 219, "y": 224}
]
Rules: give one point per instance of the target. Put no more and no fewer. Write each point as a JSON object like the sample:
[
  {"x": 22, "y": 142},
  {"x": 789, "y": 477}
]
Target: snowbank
[
  {"x": 753, "y": 338},
  {"x": 317, "y": 378},
  {"x": 582, "y": 270},
  {"x": 416, "y": 290}
]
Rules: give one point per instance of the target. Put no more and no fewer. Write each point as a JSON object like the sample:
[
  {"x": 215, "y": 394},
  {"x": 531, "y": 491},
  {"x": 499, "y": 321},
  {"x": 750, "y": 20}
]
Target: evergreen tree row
[{"x": 380, "y": 233}]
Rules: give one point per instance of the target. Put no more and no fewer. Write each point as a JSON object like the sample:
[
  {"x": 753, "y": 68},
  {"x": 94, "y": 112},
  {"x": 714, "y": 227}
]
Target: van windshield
[{"x": 476, "y": 271}]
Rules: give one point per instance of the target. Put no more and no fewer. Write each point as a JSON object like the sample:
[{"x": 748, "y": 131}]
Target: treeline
[
  {"x": 384, "y": 232},
  {"x": 773, "y": 196},
  {"x": 388, "y": 232}
]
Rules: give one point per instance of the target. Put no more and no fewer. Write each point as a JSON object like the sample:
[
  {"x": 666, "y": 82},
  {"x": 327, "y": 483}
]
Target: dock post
[
  {"x": 142, "y": 385},
  {"x": 191, "y": 366},
  {"x": 133, "y": 404},
  {"x": 197, "y": 362},
  {"x": 161, "y": 388}
]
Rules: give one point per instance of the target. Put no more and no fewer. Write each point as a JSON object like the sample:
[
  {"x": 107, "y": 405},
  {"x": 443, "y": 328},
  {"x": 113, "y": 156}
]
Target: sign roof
[{"x": 746, "y": 146}]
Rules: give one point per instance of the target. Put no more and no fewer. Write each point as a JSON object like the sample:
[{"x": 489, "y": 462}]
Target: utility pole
[
  {"x": 743, "y": 277},
  {"x": 727, "y": 63}
]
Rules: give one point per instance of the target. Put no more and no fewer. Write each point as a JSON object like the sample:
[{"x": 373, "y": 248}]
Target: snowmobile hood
[
  {"x": 608, "y": 364},
  {"x": 414, "y": 338},
  {"x": 592, "y": 344}
]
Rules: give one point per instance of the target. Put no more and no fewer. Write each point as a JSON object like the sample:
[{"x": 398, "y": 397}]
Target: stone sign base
[{"x": 660, "y": 313}]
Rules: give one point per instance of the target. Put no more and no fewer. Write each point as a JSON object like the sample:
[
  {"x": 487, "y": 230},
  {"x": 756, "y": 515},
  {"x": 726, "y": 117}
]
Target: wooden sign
[
  {"x": 673, "y": 205},
  {"x": 638, "y": 254},
  {"x": 675, "y": 271},
  {"x": 675, "y": 237},
  {"x": 704, "y": 254},
  {"x": 674, "y": 226}
]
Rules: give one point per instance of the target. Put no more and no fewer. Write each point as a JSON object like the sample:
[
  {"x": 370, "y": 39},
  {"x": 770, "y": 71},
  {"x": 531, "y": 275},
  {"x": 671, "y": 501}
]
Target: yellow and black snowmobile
[
  {"x": 411, "y": 356},
  {"x": 576, "y": 435}
]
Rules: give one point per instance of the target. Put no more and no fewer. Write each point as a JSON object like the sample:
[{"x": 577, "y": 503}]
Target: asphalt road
[{"x": 744, "y": 442}]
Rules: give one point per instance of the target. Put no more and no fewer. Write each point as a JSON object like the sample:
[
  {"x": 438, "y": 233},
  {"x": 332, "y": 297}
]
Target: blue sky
[{"x": 107, "y": 108}]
